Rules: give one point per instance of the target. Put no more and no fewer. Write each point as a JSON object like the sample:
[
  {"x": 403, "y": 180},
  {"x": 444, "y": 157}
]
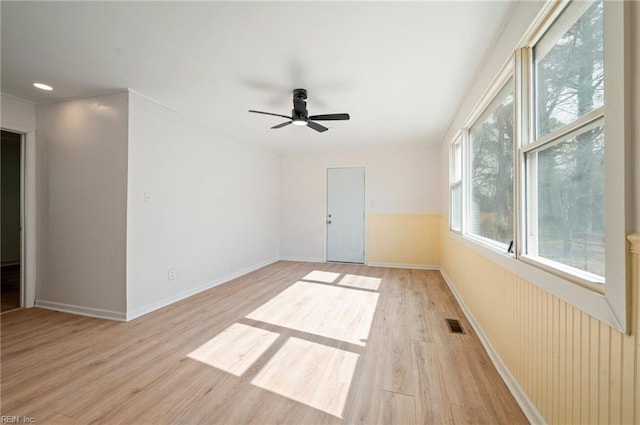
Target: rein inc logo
[{"x": 17, "y": 420}]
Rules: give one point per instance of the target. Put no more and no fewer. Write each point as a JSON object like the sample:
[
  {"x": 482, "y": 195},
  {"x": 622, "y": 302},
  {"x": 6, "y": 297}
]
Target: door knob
[{"x": 328, "y": 221}]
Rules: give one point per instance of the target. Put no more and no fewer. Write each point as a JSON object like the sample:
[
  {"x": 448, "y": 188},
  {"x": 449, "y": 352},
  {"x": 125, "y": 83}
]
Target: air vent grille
[{"x": 454, "y": 326}]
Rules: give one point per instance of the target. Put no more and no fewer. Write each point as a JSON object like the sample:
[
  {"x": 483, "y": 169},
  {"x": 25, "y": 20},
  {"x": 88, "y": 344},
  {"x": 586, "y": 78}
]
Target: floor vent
[{"x": 454, "y": 326}]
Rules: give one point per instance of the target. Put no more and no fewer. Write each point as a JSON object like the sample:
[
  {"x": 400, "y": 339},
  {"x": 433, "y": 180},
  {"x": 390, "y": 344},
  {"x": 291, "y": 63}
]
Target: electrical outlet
[{"x": 171, "y": 273}]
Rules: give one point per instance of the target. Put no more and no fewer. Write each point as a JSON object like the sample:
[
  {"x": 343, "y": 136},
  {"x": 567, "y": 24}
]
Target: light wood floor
[{"x": 283, "y": 345}]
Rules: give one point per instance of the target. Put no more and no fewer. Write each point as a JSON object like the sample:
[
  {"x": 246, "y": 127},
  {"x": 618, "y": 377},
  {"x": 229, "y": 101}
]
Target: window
[
  {"x": 455, "y": 187},
  {"x": 565, "y": 188},
  {"x": 569, "y": 67},
  {"x": 540, "y": 164},
  {"x": 565, "y": 161},
  {"x": 491, "y": 170}
]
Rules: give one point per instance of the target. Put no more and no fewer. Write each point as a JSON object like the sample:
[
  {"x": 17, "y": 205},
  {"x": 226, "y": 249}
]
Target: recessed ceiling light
[{"x": 42, "y": 86}]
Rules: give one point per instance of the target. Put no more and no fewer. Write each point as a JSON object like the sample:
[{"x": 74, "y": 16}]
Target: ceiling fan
[{"x": 300, "y": 115}]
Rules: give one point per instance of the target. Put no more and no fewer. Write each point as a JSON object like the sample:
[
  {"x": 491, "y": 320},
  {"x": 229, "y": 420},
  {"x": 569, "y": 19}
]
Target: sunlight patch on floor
[
  {"x": 362, "y": 282},
  {"x": 340, "y": 313},
  {"x": 313, "y": 374},
  {"x": 310, "y": 373},
  {"x": 235, "y": 349},
  {"x": 320, "y": 276}
]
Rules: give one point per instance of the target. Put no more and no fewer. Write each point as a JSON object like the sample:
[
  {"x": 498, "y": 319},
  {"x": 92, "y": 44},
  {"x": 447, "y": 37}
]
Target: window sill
[
  {"x": 588, "y": 280},
  {"x": 589, "y": 299},
  {"x": 497, "y": 247}
]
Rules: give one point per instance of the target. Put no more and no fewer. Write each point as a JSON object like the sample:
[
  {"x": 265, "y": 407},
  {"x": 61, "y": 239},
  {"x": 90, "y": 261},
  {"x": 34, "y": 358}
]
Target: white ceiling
[{"x": 400, "y": 69}]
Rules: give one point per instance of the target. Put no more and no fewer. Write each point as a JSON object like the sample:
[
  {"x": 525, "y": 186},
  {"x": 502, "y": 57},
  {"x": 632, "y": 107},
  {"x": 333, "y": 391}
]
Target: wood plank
[
  {"x": 461, "y": 387},
  {"x": 585, "y": 322},
  {"x": 546, "y": 378},
  {"x": 539, "y": 390},
  {"x": 366, "y": 392},
  {"x": 398, "y": 370},
  {"x": 630, "y": 362},
  {"x": 397, "y": 409},
  {"x": 432, "y": 404},
  {"x": 420, "y": 302},
  {"x": 555, "y": 366},
  {"x": 562, "y": 363},
  {"x": 594, "y": 369},
  {"x": 576, "y": 365},
  {"x": 471, "y": 416},
  {"x": 615, "y": 396},
  {"x": 604, "y": 371},
  {"x": 496, "y": 399}
]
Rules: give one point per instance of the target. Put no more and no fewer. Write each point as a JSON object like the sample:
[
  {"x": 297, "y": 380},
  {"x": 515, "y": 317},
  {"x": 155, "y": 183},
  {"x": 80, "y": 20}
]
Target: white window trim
[
  {"x": 561, "y": 133},
  {"x": 617, "y": 165},
  {"x": 496, "y": 87},
  {"x": 451, "y": 186},
  {"x": 608, "y": 302},
  {"x": 453, "y": 182}
]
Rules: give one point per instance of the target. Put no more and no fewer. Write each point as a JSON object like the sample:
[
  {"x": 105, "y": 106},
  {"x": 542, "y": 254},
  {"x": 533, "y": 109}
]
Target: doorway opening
[
  {"x": 11, "y": 180},
  {"x": 345, "y": 214}
]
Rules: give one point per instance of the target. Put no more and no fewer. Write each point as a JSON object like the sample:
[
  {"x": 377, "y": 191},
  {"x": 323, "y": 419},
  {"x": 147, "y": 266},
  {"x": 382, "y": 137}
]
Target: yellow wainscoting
[
  {"x": 575, "y": 369},
  {"x": 403, "y": 239}
]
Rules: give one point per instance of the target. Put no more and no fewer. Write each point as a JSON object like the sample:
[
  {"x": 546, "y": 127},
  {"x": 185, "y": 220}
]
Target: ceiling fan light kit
[{"x": 300, "y": 115}]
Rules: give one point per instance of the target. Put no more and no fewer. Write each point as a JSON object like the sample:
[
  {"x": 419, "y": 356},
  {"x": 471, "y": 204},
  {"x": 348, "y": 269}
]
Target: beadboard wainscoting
[{"x": 572, "y": 367}]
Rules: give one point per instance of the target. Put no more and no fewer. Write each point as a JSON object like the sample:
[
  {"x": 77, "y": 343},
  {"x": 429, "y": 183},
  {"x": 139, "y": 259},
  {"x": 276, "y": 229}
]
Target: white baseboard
[
  {"x": 374, "y": 264},
  {"x": 141, "y": 311},
  {"x": 528, "y": 407},
  {"x": 405, "y": 266},
  {"x": 303, "y": 259},
  {"x": 83, "y": 311}
]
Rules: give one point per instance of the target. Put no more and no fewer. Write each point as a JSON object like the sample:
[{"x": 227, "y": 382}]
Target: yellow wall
[
  {"x": 403, "y": 239},
  {"x": 575, "y": 369}
]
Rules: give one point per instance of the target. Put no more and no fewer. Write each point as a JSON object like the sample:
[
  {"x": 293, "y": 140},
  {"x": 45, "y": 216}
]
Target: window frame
[
  {"x": 607, "y": 302},
  {"x": 507, "y": 72},
  {"x": 497, "y": 88},
  {"x": 580, "y": 277},
  {"x": 453, "y": 182}
]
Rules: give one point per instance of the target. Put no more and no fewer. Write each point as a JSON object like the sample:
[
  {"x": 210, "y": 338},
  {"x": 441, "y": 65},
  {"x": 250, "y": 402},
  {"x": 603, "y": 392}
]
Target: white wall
[
  {"x": 212, "y": 212},
  {"x": 17, "y": 114},
  {"x": 399, "y": 180},
  {"x": 82, "y": 199}
]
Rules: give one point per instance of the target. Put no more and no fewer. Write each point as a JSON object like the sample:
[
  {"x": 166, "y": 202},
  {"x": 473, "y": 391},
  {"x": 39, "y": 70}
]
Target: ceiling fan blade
[
  {"x": 269, "y": 113},
  {"x": 330, "y": 117},
  {"x": 316, "y": 126},
  {"x": 281, "y": 125}
]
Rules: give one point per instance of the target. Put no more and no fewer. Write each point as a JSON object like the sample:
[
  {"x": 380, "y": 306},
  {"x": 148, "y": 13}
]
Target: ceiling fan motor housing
[
  {"x": 299, "y": 111},
  {"x": 300, "y": 94}
]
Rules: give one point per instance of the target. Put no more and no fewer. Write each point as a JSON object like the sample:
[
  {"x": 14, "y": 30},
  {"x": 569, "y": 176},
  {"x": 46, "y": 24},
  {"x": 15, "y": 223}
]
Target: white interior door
[{"x": 345, "y": 214}]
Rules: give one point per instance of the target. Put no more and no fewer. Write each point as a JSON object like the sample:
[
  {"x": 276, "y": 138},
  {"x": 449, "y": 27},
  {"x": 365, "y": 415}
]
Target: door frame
[
  {"x": 326, "y": 208},
  {"x": 27, "y": 213}
]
